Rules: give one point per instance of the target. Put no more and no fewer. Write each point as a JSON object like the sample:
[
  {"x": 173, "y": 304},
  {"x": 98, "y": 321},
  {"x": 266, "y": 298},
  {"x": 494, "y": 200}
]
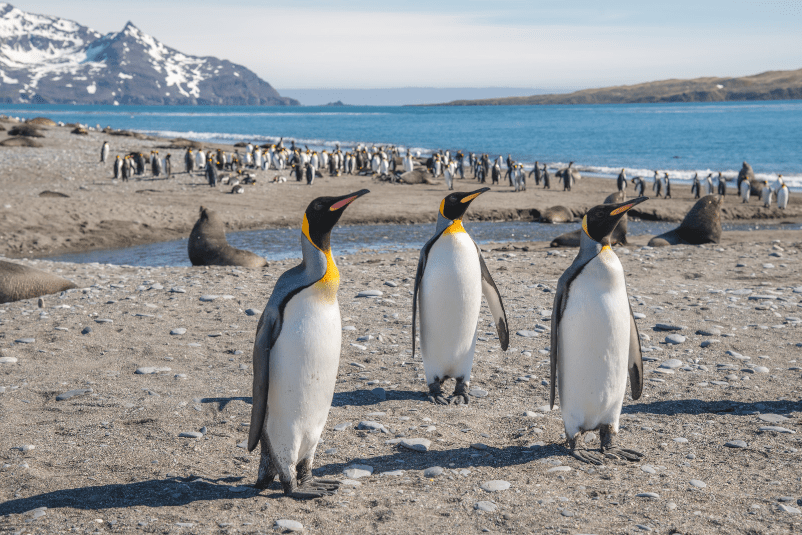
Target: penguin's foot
[
  {"x": 586, "y": 456},
  {"x": 622, "y": 454},
  {"x": 460, "y": 396},
  {"x": 607, "y": 435},
  {"x": 315, "y": 488},
  {"x": 436, "y": 394}
]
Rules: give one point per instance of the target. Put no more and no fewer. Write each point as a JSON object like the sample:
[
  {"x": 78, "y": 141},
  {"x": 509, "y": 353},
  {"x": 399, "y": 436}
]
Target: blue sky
[{"x": 559, "y": 45}]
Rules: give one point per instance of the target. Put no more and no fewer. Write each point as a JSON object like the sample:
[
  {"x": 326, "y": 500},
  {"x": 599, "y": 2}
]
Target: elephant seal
[
  {"x": 556, "y": 214},
  {"x": 701, "y": 225},
  {"x": 618, "y": 237},
  {"x": 208, "y": 245},
  {"x": 19, "y": 282}
]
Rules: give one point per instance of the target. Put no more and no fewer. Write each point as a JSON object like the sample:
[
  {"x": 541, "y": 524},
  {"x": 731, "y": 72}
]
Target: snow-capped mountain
[{"x": 52, "y": 60}]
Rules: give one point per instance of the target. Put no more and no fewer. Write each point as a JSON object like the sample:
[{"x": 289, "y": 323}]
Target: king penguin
[
  {"x": 451, "y": 278},
  {"x": 782, "y": 194},
  {"x": 295, "y": 358},
  {"x": 594, "y": 339}
]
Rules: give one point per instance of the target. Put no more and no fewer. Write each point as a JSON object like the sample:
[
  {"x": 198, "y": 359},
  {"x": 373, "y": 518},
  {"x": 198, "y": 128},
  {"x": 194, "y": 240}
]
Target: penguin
[
  {"x": 118, "y": 167},
  {"x": 536, "y": 173},
  {"x": 450, "y": 281},
  {"x": 722, "y": 185},
  {"x": 104, "y": 152},
  {"x": 746, "y": 190},
  {"x": 168, "y": 167},
  {"x": 155, "y": 164},
  {"x": 766, "y": 194},
  {"x": 639, "y": 184},
  {"x": 622, "y": 180},
  {"x": 657, "y": 185},
  {"x": 696, "y": 187},
  {"x": 546, "y": 178},
  {"x": 709, "y": 183},
  {"x": 782, "y": 194},
  {"x": 668, "y": 185},
  {"x": 295, "y": 358},
  {"x": 211, "y": 172},
  {"x": 594, "y": 338},
  {"x": 237, "y": 189}
]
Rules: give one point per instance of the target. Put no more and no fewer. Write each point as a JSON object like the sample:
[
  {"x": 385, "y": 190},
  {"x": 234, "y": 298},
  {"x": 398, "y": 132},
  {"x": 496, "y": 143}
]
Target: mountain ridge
[
  {"x": 45, "y": 59},
  {"x": 769, "y": 85}
]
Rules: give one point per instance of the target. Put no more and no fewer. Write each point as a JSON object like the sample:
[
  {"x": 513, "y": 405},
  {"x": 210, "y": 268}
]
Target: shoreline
[{"x": 101, "y": 214}]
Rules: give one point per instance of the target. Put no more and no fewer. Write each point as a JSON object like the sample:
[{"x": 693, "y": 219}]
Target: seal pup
[
  {"x": 556, "y": 214},
  {"x": 295, "y": 359},
  {"x": 18, "y": 282},
  {"x": 594, "y": 339},
  {"x": 450, "y": 281},
  {"x": 702, "y": 224},
  {"x": 208, "y": 246}
]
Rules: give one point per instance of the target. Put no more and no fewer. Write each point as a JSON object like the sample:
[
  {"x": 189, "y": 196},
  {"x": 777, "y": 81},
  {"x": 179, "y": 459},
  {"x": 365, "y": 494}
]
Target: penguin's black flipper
[
  {"x": 424, "y": 255},
  {"x": 267, "y": 332},
  {"x": 635, "y": 364},
  {"x": 491, "y": 293}
]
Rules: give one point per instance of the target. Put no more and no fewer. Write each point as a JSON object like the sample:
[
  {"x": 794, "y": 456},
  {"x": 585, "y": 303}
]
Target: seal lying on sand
[
  {"x": 701, "y": 225},
  {"x": 556, "y": 214},
  {"x": 618, "y": 236},
  {"x": 208, "y": 246},
  {"x": 19, "y": 282}
]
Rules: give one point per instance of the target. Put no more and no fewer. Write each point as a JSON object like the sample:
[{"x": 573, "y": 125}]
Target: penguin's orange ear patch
[{"x": 622, "y": 209}]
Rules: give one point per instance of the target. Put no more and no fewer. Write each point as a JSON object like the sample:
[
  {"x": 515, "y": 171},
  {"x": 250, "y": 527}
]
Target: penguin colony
[
  {"x": 394, "y": 164},
  {"x": 594, "y": 348}
]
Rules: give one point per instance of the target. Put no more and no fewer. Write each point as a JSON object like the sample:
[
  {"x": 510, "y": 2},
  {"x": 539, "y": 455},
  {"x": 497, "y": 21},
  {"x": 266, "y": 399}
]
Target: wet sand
[{"x": 102, "y": 213}]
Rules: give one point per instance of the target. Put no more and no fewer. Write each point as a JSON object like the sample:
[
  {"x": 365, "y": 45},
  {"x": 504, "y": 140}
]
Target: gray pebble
[
  {"x": 709, "y": 332},
  {"x": 681, "y": 440},
  {"x": 736, "y": 444},
  {"x": 342, "y": 427},
  {"x": 370, "y": 425},
  {"x": 478, "y": 393},
  {"x": 24, "y": 340},
  {"x": 370, "y": 293},
  {"x": 391, "y": 284},
  {"x": 148, "y": 370},
  {"x": 698, "y": 483},
  {"x": 675, "y": 339},
  {"x": 73, "y": 393},
  {"x": 357, "y": 471},
  {"x": 708, "y": 343},
  {"x": 527, "y": 334},
  {"x": 639, "y": 315},
  {"x": 433, "y": 471},
  {"x": 487, "y": 507},
  {"x": 349, "y": 328},
  {"x": 495, "y": 485},
  {"x": 668, "y": 327},
  {"x": 649, "y": 469},
  {"x": 652, "y": 495},
  {"x": 416, "y": 444},
  {"x": 86, "y": 330},
  {"x": 671, "y": 364},
  {"x": 775, "y": 429},
  {"x": 288, "y": 525},
  {"x": 190, "y": 434},
  {"x": 788, "y": 509},
  {"x": 104, "y": 320},
  {"x": 178, "y": 331},
  {"x": 772, "y": 418}
]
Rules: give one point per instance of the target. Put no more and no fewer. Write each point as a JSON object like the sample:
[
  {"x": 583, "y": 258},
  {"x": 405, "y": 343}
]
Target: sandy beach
[
  {"x": 98, "y": 384},
  {"x": 102, "y": 213}
]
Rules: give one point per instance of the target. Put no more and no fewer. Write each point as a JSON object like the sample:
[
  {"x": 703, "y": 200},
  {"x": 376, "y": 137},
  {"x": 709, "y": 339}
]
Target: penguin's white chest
[
  {"x": 594, "y": 346},
  {"x": 450, "y": 297},
  {"x": 303, "y": 372}
]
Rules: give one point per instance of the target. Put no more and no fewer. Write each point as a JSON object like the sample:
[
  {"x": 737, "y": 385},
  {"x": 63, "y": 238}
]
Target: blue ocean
[{"x": 680, "y": 139}]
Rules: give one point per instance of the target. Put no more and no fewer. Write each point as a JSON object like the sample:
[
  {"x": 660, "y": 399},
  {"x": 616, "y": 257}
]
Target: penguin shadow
[
  {"x": 361, "y": 398},
  {"x": 451, "y": 459},
  {"x": 170, "y": 491},
  {"x": 697, "y": 406},
  {"x": 222, "y": 402}
]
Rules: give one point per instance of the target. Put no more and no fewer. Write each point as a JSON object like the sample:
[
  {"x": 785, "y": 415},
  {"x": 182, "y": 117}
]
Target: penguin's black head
[
  {"x": 601, "y": 220},
  {"x": 322, "y": 214},
  {"x": 455, "y": 205}
]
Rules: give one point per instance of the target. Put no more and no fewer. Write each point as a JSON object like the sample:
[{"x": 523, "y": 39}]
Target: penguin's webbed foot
[
  {"x": 436, "y": 394},
  {"x": 623, "y": 454},
  {"x": 460, "y": 396},
  {"x": 590, "y": 457}
]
